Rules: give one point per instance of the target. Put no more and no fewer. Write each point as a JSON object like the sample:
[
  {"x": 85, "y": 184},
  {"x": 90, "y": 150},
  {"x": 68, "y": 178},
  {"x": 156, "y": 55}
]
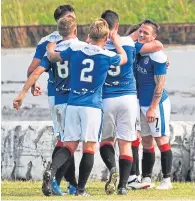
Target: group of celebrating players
[{"x": 109, "y": 88}]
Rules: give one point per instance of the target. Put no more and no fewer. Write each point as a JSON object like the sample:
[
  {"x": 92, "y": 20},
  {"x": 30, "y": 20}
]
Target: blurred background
[{"x": 25, "y": 22}]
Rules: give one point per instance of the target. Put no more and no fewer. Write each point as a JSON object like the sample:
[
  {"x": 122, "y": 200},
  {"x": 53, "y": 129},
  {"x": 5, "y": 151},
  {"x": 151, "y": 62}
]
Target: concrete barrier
[
  {"x": 29, "y": 36},
  {"x": 26, "y": 149}
]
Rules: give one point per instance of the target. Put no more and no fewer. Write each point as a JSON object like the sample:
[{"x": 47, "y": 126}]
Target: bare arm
[
  {"x": 160, "y": 82},
  {"x": 30, "y": 81},
  {"x": 51, "y": 54},
  {"x": 116, "y": 40},
  {"x": 152, "y": 46},
  {"x": 34, "y": 64},
  {"x": 35, "y": 89}
]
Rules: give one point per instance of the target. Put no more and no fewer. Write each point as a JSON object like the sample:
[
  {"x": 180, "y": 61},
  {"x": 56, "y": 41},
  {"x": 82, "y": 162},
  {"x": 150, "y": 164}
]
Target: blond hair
[
  {"x": 66, "y": 25},
  {"x": 98, "y": 29}
]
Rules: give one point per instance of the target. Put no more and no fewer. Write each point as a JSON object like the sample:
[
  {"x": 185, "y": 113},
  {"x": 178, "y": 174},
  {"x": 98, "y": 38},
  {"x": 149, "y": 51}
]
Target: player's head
[
  {"x": 67, "y": 26},
  {"x": 63, "y": 11},
  {"x": 133, "y": 28},
  {"x": 98, "y": 31},
  {"x": 111, "y": 18},
  {"x": 148, "y": 31}
]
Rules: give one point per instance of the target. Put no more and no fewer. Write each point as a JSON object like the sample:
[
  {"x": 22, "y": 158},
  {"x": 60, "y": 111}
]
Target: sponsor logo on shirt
[
  {"x": 141, "y": 69},
  {"x": 146, "y": 60}
]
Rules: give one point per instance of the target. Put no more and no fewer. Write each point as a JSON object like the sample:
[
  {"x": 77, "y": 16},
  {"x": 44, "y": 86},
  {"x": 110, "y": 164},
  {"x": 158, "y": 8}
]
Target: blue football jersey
[
  {"x": 60, "y": 72},
  {"x": 148, "y": 65},
  {"x": 120, "y": 80},
  {"x": 40, "y": 52},
  {"x": 89, "y": 65}
]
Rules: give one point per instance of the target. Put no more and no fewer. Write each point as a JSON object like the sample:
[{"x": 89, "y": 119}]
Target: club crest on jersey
[{"x": 146, "y": 60}]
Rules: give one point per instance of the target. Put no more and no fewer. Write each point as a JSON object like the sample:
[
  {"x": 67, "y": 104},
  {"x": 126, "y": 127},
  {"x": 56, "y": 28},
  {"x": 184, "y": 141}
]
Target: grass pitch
[
  {"x": 28, "y": 12},
  {"x": 32, "y": 191}
]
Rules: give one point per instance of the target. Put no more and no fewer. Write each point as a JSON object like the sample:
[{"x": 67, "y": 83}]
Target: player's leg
[
  {"x": 107, "y": 151},
  {"x": 71, "y": 177},
  {"x": 91, "y": 134},
  {"x": 134, "y": 182},
  {"x": 161, "y": 134},
  {"x": 70, "y": 139},
  {"x": 68, "y": 169},
  {"x": 126, "y": 133},
  {"x": 148, "y": 158}
]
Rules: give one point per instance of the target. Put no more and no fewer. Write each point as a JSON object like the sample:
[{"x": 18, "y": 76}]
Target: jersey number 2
[{"x": 83, "y": 76}]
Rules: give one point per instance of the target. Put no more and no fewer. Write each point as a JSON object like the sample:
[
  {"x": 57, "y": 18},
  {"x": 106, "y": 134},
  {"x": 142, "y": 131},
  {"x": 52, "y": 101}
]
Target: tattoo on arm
[{"x": 160, "y": 81}]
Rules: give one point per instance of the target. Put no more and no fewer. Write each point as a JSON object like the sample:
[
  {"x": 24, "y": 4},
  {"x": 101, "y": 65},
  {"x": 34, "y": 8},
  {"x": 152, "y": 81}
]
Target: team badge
[{"x": 146, "y": 60}]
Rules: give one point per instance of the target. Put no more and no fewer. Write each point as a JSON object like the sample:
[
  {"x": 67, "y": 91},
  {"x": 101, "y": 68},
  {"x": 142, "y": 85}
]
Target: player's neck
[
  {"x": 69, "y": 37},
  {"x": 98, "y": 43}
]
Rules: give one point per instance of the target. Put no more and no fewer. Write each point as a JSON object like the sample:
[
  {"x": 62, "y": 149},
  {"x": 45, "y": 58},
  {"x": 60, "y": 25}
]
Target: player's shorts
[
  {"x": 60, "y": 110},
  {"x": 120, "y": 115},
  {"x": 51, "y": 100},
  {"x": 82, "y": 124},
  {"x": 160, "y": 127}
]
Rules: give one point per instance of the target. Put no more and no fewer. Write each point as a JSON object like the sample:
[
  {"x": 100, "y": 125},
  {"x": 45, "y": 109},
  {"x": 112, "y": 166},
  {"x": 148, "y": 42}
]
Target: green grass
[
  {"x": 32, "y": 191},
  {"x": 35, "y": 12}
]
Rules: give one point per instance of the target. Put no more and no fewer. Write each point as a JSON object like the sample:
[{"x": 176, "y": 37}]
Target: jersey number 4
[{"x": 84, "y": 77}]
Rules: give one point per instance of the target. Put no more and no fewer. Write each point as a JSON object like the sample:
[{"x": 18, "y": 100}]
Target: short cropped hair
[
  {"x": 111, "y": 18},
  {"x": 62, "y": 10},
  {"x": 132, "y": 28},
  {"x": 153, "y": 24},
  {"x": 98, "y": 29},
  {"x": 66, "y": 25}
]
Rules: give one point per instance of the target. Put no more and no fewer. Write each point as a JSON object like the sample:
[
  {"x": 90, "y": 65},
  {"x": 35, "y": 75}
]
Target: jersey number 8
[{"x": 63, "y": 69}]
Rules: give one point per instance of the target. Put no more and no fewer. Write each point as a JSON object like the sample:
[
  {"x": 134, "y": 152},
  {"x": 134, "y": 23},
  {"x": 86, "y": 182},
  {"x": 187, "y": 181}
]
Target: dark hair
[
  {"x": 111, "y": 18},
  {"x": 62, "y": 10},
  {"x": 132, "y": 28},
  {"x": 155, "y": 26}
]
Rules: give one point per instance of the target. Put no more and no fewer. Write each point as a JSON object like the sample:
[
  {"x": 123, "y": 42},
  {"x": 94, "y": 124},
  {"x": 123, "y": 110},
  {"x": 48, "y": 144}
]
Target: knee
[{"x": 147, "y": 142}]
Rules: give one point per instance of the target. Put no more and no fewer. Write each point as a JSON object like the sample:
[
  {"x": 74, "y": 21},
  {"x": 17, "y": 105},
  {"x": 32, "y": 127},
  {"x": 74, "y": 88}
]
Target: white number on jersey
[
  {"x": 63, "y": 69},
  {"x": 114, "y": 71},
  {"x": 87, "y": 70}
]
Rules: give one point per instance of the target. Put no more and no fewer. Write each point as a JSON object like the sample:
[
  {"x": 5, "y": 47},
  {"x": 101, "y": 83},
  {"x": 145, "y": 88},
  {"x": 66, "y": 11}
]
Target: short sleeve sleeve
[
  {"x": 40, "y": 50},
  {"x": 138, "y": 47},
  {"x": 159, "y": 68},
  {"x": 115, "y": 60},
  {"x": 45, "y": 63},
  {"x": 65, "y": 55}
]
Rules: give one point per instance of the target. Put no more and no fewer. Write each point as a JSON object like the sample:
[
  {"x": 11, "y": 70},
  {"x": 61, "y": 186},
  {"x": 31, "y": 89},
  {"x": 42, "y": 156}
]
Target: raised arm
[
  {"x": 51, "y": 54},
  {"x": 116, "y": 40},
  {"x": 30, "y": 81},
  {"x": 152, "y": 46}
]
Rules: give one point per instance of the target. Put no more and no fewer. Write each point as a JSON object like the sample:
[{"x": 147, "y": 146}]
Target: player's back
[
  {"x": 121, "y": 81},
  {"x": 40, "y": 52},
  {"x": 89, "y": 65},
  {"x": 147, "y": 66},
  {"x": 61, "y": 72}
]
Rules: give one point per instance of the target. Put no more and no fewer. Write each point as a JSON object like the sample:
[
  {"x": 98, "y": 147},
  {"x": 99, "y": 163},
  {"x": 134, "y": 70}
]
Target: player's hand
[
  {"x": 114, "y": 36},
  {"x": 51, "y": 46},
  {"x": 36, "y": 90},
  {"x": 150, "y": 115},
  {"x": 18, "y": 101}
]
